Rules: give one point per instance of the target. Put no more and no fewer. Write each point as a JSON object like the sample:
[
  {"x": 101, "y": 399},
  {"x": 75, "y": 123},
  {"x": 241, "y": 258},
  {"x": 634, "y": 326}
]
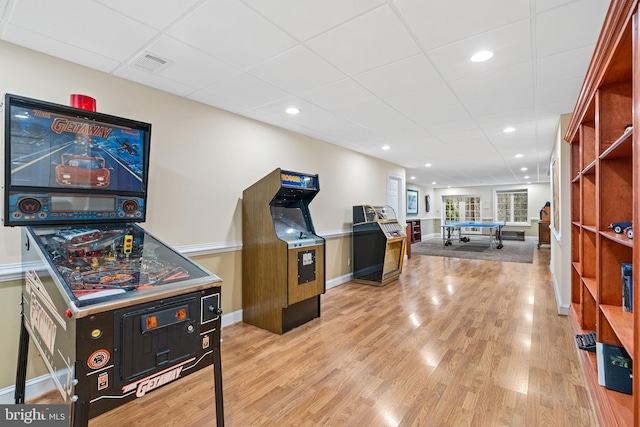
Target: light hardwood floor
[{"x": 452, "y": 343}]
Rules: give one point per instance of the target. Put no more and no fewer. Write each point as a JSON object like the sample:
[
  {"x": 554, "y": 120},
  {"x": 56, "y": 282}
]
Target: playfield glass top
[{"x": 104, "y": 262}]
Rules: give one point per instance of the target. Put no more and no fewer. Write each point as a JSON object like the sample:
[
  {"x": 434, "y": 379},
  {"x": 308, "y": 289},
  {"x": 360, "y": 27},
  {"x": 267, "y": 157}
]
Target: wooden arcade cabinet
[{"x": 283, "y": 260}]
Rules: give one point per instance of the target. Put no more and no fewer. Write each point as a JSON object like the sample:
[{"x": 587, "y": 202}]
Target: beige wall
[
  {"x": 201, "y": 160},
  {"x": 561, "y": 239}
]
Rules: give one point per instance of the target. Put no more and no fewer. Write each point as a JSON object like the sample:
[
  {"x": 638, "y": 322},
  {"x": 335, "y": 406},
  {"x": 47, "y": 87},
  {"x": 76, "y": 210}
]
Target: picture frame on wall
[{"x": 412, "y": 202}]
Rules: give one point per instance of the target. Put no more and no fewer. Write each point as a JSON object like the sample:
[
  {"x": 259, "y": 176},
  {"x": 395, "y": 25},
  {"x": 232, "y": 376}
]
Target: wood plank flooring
[{"x": 453, "y": 343}]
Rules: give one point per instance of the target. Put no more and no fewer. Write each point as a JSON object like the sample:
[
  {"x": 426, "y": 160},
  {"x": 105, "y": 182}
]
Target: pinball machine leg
[
  {"x": 80, "y": 405},
  {"x": 21, "y": 371},
  {"x": 217, "y": 377}
]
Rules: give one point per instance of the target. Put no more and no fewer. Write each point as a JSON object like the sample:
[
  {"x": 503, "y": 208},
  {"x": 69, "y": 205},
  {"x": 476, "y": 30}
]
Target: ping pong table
[{"x": 495, "y": 232}]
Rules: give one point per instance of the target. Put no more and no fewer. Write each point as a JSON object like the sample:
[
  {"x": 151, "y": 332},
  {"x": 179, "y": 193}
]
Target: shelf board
[
  {"x": 591, "y": 228},
  {"x": 618, "y": 238},
  {"x": 576, "y": 178},
  {"x": 622, "y": 324},
  {"x": 621, "y": 148},
  {"x": 592, "y": 286},
  {"x": 577, "y": 266}
]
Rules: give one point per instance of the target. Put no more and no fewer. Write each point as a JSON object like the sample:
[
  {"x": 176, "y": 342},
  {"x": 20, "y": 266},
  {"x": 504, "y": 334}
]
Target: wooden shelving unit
[
  {"x": 416, "y": 230},
  {"x": 605, "y": 188}
]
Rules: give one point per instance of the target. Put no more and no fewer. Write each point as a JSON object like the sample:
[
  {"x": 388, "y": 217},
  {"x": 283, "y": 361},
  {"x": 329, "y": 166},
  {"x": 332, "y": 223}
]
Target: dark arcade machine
[
  {"x": 283, "y": 259},
  {"x": 114, "y": 312},
  {"x": 379, "y": 243}
]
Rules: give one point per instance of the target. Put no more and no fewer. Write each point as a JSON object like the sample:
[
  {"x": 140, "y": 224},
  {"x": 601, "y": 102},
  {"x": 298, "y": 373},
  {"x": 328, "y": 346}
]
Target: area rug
[{"x": 513, "y": 251}]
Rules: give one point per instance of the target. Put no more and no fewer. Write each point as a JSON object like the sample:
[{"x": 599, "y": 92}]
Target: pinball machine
[{"x": 113, "y": 311}]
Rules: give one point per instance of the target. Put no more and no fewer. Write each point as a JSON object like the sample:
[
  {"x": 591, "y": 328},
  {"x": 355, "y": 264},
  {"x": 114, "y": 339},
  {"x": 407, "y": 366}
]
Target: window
[
  {"x": 513, "y": 206},
  {"x": 461, "y": 208}
]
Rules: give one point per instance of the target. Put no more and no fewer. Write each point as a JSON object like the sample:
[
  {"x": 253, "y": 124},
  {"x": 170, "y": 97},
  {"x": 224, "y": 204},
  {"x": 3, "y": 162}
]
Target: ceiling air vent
[{"x": 150, "y": 62}]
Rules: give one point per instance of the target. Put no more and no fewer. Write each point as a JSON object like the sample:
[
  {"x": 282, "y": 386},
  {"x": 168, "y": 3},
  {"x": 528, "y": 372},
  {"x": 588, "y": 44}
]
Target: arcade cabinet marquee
[{"x": 113, "y": 312}]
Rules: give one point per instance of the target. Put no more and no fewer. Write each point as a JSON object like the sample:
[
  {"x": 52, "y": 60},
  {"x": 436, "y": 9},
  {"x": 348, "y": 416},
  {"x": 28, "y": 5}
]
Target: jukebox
[
  {"x": 113, "y": 312},
  {"x": 378, "y": 245},
  {"x": 283, "y": 263}
]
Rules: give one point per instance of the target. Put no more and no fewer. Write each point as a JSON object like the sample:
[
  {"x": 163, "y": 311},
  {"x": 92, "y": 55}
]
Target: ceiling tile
[
  {"x": 542, "y": 5},
  {"x": 573, "y": 26},
  {"x": 402, "y": 76},
  {"x": 3, "y": 5},
  {"x": 216, "y": 101},
  {"x": 507, "y": 118},
  {"x": 511, "y": 45},
  {"x": 503, "y": 104},
  {"x": 232, "y": 32},
  {"x": 564, "y": 66},
  {"x": 430, "y": 119},
  {"x": 558, "y": 92},
  {"x": 423, "y": 99},
  {"x": 304, "y": 19},
  {"x": 188, "y": 65},
  {"x": 246, "y": 90},
  {"x": 297, "y": 70},
  {"x": 310, "y": 115},
  {"x": 493, "y": 83},
  {"x": 440, "y": 23},
  {"x": 157, "y": 14},
  {"x": 369, "y": 41},
  {"x": 340, "y": 96},
  {"x": 124, "y": 36},
  {"x": 148, "y": 78},
  {"x": 61, "y": 50}
]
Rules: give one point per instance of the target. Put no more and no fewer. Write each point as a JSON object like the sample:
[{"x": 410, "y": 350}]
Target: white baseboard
[
  {"x": 34, "y": 387},
  {"x": 563, "y": 309}
]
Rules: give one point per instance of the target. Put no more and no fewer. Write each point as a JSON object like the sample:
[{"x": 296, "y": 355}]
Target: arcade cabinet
[
  {"x": 283, "y": 259},
  {"x": 113, "y": 312},
  {"x": 379, "y": 243}
]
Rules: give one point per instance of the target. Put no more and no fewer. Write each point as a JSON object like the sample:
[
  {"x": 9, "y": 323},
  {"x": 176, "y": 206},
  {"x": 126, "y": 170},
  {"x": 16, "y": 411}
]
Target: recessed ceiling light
[
  {"x": 433, "y": 183},
  {"x": 428, "y": 165},
  {"x": 523, "y": 169},
  {"x": 526, "y": 177},
  {"x": 481, "y": 56},
  {"x": 519, "y": 156},
  {"x": 509, "y": 129},
  {"x": 292, "y": 110},
  {"x": 386, "y": 147},
  {"x": 528, "y": 182},
  {"x": 413, "y": 177}
]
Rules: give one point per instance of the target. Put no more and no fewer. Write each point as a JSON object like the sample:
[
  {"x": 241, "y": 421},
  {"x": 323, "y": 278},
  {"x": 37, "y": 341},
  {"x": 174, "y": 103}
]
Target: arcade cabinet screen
[{"x": 55, "y": 154}]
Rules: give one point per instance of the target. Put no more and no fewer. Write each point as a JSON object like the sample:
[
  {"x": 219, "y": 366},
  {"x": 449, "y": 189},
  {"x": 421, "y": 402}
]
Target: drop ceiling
[{"x": 364, "y": 73}]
